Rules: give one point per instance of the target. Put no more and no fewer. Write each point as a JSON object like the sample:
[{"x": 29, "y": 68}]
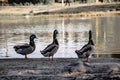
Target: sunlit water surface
[{"x": 73, "y": 34}]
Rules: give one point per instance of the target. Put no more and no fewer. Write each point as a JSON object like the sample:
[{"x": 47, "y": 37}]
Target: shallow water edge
[{"x": 82, "y": 14}]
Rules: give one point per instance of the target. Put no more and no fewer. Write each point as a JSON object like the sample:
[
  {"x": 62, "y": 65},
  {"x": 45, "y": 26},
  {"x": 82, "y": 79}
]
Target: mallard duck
[
  {"x": 26, "y": 48},
  {"x": 52, "y": 48},
  {"x": 87, "y": 49}
]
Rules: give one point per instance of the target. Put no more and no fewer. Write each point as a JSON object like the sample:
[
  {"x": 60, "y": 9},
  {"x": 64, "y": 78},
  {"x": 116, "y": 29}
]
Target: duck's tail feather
[
  {"x": 44, "y": 54},
  {"x": 16, "y": 48},
  {"x": 41, "y": 52}
]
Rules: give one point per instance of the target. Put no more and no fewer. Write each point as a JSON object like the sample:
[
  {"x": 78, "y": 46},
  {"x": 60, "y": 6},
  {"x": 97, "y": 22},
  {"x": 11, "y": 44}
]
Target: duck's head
[
  {"x": 55, "y": 33},
  {"x": 90, "y": 34},
  {"x": 32, "y": 37}
]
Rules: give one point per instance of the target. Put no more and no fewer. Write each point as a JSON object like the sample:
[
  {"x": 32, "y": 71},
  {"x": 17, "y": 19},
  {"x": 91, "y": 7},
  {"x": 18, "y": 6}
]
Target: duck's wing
[
  {"x": 21, "y": 46},
  {"x": 83, "y": 51},
  {"x": 85, "y": 48},
  {"x": 49, "y": 48},
  {"x": 23, "y": 49}
]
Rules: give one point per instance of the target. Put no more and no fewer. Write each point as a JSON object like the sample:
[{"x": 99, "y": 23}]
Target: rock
[
  {"x": 77, "y": 67},
  {"x": 85, "y": 67}
]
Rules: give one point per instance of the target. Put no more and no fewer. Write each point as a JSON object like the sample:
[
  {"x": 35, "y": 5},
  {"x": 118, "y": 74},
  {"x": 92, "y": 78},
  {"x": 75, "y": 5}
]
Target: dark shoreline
[
  {"x": 72, "y": 11},
  {"x": 86, "y": 9}
]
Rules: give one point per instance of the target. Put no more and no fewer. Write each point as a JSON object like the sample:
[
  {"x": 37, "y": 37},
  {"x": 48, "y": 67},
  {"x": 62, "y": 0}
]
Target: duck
[
  {"x": 87, "y": 49},
  {"x": 26, "y": 49},
  {"x": 52, "y": 48}
]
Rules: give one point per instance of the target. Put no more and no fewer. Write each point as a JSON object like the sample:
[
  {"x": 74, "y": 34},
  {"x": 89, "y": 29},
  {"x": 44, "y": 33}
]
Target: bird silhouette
[
  {"x": 26, "y": 49},
  {"x": 52, "y": 48},
  {"x": 87, "y": 49}
]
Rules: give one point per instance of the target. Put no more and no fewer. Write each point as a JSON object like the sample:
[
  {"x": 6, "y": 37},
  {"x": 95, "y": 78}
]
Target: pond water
[{"x": 73, "y": 34}]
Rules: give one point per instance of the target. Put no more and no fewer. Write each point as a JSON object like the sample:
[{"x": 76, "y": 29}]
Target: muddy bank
[
  {"x": 43, "y": 69},
  {"x": 84, "y": 9},
  {"x": 56, "y": 10}
]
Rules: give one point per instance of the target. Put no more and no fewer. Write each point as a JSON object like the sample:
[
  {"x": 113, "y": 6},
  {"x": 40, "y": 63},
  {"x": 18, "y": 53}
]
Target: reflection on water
[{"x": 73, "y": 34}]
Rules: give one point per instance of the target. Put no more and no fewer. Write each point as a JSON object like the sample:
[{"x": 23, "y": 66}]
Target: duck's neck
[
  {"x": 90, "y": 35},
  {"x": 90, "y": 38},
  {"x": 90, "y": 42},
  {"x": 54, "y": 36},
  {"x": 55, "y": 41},
  {"x": 32, "y": 43}
]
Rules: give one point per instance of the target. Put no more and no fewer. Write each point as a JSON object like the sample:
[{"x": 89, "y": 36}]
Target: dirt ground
[{"x": 43, "y": 69}]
